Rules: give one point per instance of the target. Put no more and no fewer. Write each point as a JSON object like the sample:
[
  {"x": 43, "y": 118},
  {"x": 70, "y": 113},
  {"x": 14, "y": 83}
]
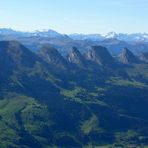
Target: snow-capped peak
[
  {"x": 109, "y": 35},
  {"x": 134, "y": 37},
  {"x": 47, "y": 33}
]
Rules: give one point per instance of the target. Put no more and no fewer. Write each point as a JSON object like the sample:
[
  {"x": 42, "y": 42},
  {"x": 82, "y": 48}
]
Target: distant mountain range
[
  {"x": 44, "y": 33},
  {"x": 134, "y": 37},
  {"x": 136, "y": 42}
]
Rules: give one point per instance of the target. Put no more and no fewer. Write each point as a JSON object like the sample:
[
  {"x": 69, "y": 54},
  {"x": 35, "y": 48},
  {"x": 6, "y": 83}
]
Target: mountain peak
[
  {"x": 12, "y": 48},
  {"x": 144, "y": 57},
  {"x": 100, "y": 55},
  {"x": 110, "y": 35},
  {"x": 52, "y": 56},
  {"x": 75, "y": 57},
  {"x": 127, "y": 57},
  {"x": 126, "y": 51},
  {"x": 74, "y": 49},
  {"x": 47, "y": 33},
  {"x": 14, "y": 53}
]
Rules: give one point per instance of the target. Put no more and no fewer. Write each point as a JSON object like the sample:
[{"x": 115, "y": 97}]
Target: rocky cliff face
[
  {"x": 127, "y": 57},
  {"x": 52, "y": 57},
  {"x": 144, "y": 57},
  {"x": 100, "y": 55},
  {"x": 76, "y": 57}
]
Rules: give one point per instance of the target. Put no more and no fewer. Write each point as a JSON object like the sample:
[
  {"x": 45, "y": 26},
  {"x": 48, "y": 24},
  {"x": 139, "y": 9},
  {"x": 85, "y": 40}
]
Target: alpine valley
[{"x": 73, "y": 91}]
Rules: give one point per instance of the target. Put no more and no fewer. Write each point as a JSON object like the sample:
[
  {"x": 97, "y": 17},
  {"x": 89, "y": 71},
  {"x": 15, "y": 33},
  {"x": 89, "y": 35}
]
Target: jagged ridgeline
[{"x": 80, "y": 100}]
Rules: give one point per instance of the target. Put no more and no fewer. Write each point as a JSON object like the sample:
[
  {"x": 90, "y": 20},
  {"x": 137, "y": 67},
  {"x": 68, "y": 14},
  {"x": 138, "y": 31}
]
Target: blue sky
[{"x": 75, "y": 16}]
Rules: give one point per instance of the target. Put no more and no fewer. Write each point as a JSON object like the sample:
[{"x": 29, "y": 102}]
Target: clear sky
[{"x": 75, "y": 16}]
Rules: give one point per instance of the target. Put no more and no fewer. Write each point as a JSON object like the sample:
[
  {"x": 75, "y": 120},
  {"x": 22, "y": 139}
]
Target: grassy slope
[
  {"x": 21, "y": 118},
  {"x": 24, "y": 121}
]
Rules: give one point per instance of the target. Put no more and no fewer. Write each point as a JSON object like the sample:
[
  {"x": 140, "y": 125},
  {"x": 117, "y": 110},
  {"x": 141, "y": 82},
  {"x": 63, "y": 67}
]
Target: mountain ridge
[
  {"x": 127, "y": 57},
  {"x": 76, "y": 36},
  {"x": 63, "y": 43},
  {"x": 43, "y": 104}
]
